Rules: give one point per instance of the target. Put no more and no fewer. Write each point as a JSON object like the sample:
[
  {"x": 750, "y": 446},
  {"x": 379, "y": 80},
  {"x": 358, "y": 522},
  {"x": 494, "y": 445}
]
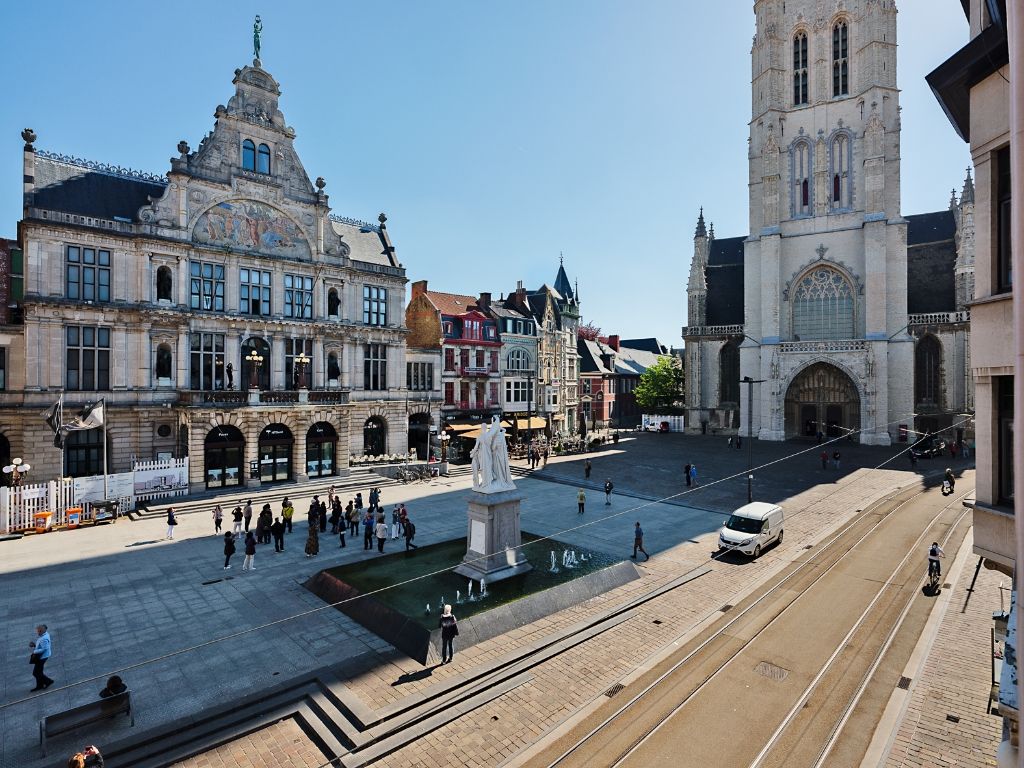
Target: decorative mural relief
[{"x": 250, "y": 225}]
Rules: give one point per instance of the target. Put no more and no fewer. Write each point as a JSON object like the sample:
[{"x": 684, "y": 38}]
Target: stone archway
[{"x": 823, "y": 398}]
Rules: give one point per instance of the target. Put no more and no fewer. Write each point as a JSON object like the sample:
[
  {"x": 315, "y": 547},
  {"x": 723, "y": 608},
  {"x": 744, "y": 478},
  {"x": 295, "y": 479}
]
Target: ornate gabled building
[
  {"x": 557, "y": 315},
  {"x": 221, "y": 310},
  {"x": 852, "y": 317}
]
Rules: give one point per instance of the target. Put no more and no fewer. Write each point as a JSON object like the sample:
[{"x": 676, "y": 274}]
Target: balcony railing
[
  {"x": 939, "y": 318},
  {"x": 236, "y": 397},
  {"x": 823, "y": 346},
  {"x": 328, "y": 396},
  {"x": 215, "y": 397},
  {"x": 279, "y": 396},
  {"x": 712, "y": 330}
]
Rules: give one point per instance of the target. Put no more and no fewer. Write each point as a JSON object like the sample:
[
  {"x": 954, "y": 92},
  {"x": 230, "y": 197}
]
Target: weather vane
[{"x": 257, "y": 28}]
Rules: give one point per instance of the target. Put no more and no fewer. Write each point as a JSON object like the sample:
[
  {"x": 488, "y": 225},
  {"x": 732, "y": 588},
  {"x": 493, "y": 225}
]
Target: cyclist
[{"x": 934, "y": 553}]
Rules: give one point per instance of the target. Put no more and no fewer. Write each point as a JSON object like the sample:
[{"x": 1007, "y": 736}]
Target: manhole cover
[
  {"x": 904, "y": 683},
  {"x": 614, "y": 690},
  {"x": 772, "y": 672}
]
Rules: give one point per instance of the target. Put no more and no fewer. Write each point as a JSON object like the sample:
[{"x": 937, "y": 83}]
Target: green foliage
[{"x": 660, "y": 389}]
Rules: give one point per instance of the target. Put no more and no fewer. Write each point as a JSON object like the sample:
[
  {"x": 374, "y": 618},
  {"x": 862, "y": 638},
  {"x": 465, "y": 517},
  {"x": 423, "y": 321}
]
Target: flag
[
  {"x": 91, "y": 416},
  {"x": 52, "y": 416}
]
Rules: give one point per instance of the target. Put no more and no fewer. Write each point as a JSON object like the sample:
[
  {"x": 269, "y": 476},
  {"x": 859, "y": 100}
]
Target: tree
[
  {"x": 588, "y": 331},
  {"x": 661, "y": 387}
]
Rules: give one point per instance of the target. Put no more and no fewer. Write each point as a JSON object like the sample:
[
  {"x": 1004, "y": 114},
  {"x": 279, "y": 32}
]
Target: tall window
[
  {"x": 164, "y": 362},
  {"x": 83, "y": 453},
  {"x": 518, "y": 391},
  {"x": 375, "y": 305},
  {"x": 823, "y": 306},
  {"x": 840, "y": 60},
  {"x": 518, "y": 360},
  {"x": 87, "y": 274},
  {"x": 800, "y": 69},
  {"x": 419, "y": 376},
  {"x": 298, "y": 296},
  {"x": 333, "y": 367},
  {"x": 927, "y": 365},
  {"x": 206, "y": 286},
  {"x": 449, "y": 359},
  {"x": 254, "y": 292},
  {"x": 292, "y": 349},
  {"x": 333, "y": 303},
  {"x": 449, "y": 393},
  {"x": 263, "y": 159},
  {"x": 248, "y": 155},
  {"x": 206, "y": 362},
  {"x": 87, "y": 357},
  {"x": 801, "y": 158},
  {"x": 840, "y": 161},
  {"x": 3, "y": 368},
  {"x": 1004, "y": 270},
  {"x": 375, "y": 367},
  {"x": 1004, "y": 459},
  {"x": 164, "y": 284},
  {"x": 728, "y": 374}
]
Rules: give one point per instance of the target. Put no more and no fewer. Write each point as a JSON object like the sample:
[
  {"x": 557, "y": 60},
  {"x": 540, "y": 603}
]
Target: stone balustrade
[
  {"x": 823, "y": 346},
  {"x": 939, "y": 318},
  {"x": 712, "y": 330}
]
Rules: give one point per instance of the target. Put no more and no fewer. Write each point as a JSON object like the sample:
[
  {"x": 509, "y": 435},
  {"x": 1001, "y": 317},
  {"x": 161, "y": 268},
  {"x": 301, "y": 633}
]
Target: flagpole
[
  {"x": 60, "y": 480},
  {"x": 104, "y": 401}
]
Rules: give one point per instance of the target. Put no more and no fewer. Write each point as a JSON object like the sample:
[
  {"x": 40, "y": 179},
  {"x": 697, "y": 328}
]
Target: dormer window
[
  {"x": 248, "y": 155},
  {"x": 263, "y": 159}
]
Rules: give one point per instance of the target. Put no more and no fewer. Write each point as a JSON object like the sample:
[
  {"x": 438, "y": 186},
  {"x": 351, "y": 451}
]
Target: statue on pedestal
[{"x": 491, "y": 472}]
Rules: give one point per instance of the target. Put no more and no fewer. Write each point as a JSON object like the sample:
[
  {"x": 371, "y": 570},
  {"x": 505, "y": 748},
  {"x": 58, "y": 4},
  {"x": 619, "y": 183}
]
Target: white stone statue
[{"x": 491, "y": 472}]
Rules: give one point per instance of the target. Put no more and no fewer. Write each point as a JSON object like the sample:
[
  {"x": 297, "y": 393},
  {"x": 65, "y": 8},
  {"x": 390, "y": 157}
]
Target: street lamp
[
  {"x": 17, "y": 470},
  {"x": 302, "y": 360},
  {"x": 255, "y": 361},
  {"x": 750, "y": 431}
]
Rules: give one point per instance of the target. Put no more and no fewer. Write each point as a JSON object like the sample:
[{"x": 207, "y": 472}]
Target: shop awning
[
  {"x": 534, "y": 422},
  {"x": 474, "y": 433},
  {"x": 461, "y": 427}
]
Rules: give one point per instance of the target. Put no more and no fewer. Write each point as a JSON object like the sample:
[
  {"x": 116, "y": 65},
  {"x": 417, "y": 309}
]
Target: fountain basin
[{"x": 396, "y": 613}]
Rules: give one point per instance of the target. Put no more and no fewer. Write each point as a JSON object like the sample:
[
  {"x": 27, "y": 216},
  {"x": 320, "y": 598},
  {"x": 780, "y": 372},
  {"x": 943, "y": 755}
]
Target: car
[
  {"x": 751, "y": 528},
  {"x": 653, "y": 427},
  {"x": 928, "y": 447}
]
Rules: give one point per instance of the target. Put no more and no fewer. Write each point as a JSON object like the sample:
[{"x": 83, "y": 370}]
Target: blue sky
[{"x": 495, "y": 135}]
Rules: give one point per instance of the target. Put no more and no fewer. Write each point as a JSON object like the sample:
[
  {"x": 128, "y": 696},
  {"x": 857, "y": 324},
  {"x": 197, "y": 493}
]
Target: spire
[
  {"x": 967, "y": 196},
  {"x": 952, "y": 199},
  {"x": 562, "y": 284},
  {"x": 711, "y": 235},
  {"x": 701, "y": 230}
]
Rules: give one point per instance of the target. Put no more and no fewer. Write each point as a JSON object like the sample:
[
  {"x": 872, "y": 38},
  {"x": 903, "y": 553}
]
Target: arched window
[
  {"x": 840, "y": 60},
  {"x": 164, "y": 361},
  {"x": 518, "y": 360},
  {"x": 164, "y": 283},
  {"x": 800, "y": 68},
  {"x": 729, "y": 374},
  {"x": 375, "y": 436},
  {"x": 927, "y": 367},
  {"x": 841, "y": 176},
  {"x": 263, "y": 159},
  {"x": 823, "y": 306},
  {"x": 333, "y": 302},
  {"x": 801, "y": 173},
  {"x": 248, "y": 155}
]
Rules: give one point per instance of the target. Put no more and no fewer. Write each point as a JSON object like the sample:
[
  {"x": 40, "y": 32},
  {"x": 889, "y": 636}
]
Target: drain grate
[
  {"x": 656, "y": 621},
  {"x": 726, "y": 607},
  {"x": 947, "y": 585},
  {"x": 614, "y": 690},
  {"x": 904, "y": 683},
  {"x": 771, "y": 671},
  {"x": 953, "y": 718}
]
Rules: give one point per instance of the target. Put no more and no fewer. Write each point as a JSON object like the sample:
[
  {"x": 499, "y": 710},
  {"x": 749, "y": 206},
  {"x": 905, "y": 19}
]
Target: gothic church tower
[{"x": 825, "y": 262}]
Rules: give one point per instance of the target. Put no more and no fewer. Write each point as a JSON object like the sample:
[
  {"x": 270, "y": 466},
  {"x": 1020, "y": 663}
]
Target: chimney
[
  {"x": 613, "y": 342},
  {"x": 484, "y": 302},
  {"x": 418, "y": 289},
  {"x": 520, "y": 296}
]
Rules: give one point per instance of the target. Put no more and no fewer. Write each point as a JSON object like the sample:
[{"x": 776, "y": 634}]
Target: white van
[{"x": 751, "y": 528}]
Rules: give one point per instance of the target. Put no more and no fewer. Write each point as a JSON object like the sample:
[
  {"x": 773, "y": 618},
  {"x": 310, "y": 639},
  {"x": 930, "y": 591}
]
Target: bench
[{"x": 93, "y": 712}]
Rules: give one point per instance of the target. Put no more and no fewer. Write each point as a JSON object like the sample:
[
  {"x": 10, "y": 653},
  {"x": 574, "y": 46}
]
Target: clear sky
[{"x": 494, "y": 134}]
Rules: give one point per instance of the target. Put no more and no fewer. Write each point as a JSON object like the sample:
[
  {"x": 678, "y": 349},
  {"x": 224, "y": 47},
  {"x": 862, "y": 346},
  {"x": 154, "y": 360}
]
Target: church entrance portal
[{"x": 821, "y": 398}]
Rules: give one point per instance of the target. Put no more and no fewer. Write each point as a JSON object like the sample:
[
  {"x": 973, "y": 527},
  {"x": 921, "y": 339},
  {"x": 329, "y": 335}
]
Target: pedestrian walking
[
  {"x": 410, "y": 533},
  {"x": 341, "y": 534},
  {"x": 913, "y": 458},
  {"x": 449, "y": 631},
  {"x": 581, "y": 500},
  {"x": 730, "y": 442},
  {"x": 218, "y": 518},
  {"x": 367, "y": 530},
  {"x": 229, "y": 549},
  {"x": 952, "y": 449},
  {"x": 586, "y": 469},
  {"x": 835, "y": 459},
  {"x": 312, "y": 542},
  {"x": 638, "y": 542},
  {"x": 247, "y": 514},
  {"x": 686, "y": 474},
  {"x": 545, "y": 455},
  {"x": 608, "y": 488},
  {"x": 396, "y": 525},
  {"x": 948, "y": 478},
  {"x": 382, "y": 533},
  {"x": 322, "y": 516},
  {"x": 42, "y": 649},
  {"x": 739, "y": 442},
  {"x": 287, "y": 512},
  {"x": 248, "y": 564},
  {"x": 236, "y": 516},
  {"x": 824, "y": 459},
  {"x": 171, "y": 522},
  {"x": 277, "y": 531},
  {"x": 693, "y": 474}
]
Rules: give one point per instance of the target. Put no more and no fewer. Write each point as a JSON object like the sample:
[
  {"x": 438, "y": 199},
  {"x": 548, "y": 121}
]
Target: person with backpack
[
  {"x": 948, "y": 481},
  {"x": 410, "y": 534},
  {"x": 229, "y": 549},
  {"x": 608, "y": 488},
  {"x": 449, "y": 631}
]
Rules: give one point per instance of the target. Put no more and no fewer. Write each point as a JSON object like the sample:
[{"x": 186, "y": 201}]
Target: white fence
[{"x": 148, "y": 480}]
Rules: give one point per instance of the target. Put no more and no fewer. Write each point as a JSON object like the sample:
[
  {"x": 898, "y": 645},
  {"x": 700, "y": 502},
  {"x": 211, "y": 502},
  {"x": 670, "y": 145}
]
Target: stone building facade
[
  {"x": 221, "y": 310},
  {"x": 556, "y": 312},
  {"x": 833, "y": 322}
]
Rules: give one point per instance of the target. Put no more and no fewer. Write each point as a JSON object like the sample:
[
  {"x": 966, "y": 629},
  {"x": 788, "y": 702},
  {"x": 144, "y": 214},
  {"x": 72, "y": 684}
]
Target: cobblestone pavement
[
  {"x": 121, "y": 595},
  {"x": 954, "y": 682},
  {"x": 281, "y": 745}
]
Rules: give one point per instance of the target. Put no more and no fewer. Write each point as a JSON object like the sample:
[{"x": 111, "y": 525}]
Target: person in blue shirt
[
  {"x": 41, "y": 651},
  {"x": 638, "y": 541}
]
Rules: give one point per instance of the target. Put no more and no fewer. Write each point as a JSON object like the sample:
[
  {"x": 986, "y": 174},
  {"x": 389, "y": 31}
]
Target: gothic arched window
[
  {"x": 927, "y": 365},
  {"x": 800, "y": 69},
  {"x": 839, "y": 160},
  {"x": 248, "y": 155},
  {"x": 823, "y": 306},
  {"x": 840, "y": 59},
  {"x": 263, "y": 159},
  {"x": 729, "y": 374},
  {"x": 801, "y": 174}
]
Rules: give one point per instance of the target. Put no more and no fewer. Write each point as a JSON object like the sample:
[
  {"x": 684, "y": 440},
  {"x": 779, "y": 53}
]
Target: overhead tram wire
[{"x": 609, "y": 516}]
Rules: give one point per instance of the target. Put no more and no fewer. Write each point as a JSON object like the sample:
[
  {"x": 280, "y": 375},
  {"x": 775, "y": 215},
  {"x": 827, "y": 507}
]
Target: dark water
[{"x": 428, "y": 571}]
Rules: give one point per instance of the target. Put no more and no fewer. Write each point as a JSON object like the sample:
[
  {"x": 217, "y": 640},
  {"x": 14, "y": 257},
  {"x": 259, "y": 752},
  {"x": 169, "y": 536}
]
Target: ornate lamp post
[
  {"x": 255, "y": 361},
  {"x": 444, "y": 437},
  {"x": 17, "y": 469},
  {"x": 301, "y": 361}
]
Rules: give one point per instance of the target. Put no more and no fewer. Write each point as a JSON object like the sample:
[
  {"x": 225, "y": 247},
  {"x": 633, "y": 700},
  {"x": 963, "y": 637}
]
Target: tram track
[{"x": 618, "y": 737}]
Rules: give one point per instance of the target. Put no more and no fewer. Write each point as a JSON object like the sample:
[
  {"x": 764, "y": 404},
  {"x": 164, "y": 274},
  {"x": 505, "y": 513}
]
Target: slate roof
[
  {"x": 930, "y": 227},
  {"x": 365, "y": 241},
  {"x": 506, "y": 309},
  {"x": 633, "y": 362},
  {"x": 70, "y": 187},
  {"x": 452, "y": 303},
  {"x": 590, "y": 356},
  {"x": 646, "y": 345},
  {"x": 931, "y": 261},
  {"x": 726, "y": 250},
  {"x": 562, "y": 284}
]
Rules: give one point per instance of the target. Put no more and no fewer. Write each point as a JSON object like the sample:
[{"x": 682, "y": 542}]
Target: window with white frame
[
  {"x": 518, "y": 391},
  {"x": 206, "y": 286},
  {"x": 375, "y": 305},
  {"x": 254, "y": 292},
  {"x": 518, "y": 360}
]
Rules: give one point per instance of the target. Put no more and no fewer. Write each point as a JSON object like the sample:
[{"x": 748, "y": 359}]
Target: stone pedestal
[{"x": 493, "y": 540}]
